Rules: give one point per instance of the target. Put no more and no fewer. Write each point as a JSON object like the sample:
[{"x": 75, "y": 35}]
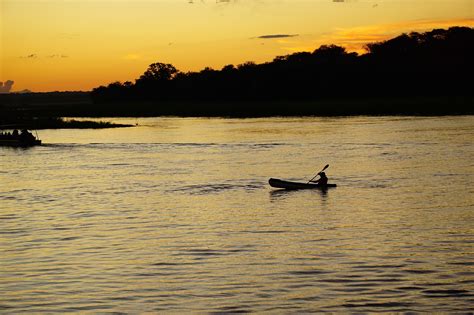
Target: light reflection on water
[{"x": 176, "y": 214}]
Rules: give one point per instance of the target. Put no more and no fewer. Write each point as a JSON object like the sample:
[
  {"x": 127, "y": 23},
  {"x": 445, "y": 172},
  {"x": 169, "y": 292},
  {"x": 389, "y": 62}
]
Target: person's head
[{"x": 322, "y": 174}]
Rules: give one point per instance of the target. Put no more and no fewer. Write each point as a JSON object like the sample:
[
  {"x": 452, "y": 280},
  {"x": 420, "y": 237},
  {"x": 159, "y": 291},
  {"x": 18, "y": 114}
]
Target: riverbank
[
  {"x": 79, "y": 104},
  {"x": 55, "y": 123}
]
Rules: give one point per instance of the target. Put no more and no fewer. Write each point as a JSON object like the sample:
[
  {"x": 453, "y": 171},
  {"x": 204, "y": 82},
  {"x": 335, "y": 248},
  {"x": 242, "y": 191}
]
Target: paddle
[{"x": 327, "y": 165}]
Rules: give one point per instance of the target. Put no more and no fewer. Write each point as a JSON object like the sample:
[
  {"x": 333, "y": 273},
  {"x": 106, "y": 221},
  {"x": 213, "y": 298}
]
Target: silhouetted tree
[
  {"x": 156, "y": 82},
  {"x": 159, "y": 72}
]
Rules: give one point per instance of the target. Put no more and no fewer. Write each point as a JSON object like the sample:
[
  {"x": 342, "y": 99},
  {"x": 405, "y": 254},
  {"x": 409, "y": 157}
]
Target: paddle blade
[{"x": 327, "y": 165}]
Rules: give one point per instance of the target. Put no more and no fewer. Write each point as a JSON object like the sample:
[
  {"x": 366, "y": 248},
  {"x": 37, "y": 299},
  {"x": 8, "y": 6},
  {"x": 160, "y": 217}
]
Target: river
[{"x": 176, "y": 214}]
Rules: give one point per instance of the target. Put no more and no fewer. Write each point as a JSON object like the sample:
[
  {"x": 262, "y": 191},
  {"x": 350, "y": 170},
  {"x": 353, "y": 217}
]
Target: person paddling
[
  {"x": 323, "y": 180},
  {"x": 321, "y": 183}
]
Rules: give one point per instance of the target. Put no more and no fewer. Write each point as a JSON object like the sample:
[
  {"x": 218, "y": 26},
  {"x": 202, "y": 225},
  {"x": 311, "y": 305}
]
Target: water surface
[{"x": 176, "y": 214}]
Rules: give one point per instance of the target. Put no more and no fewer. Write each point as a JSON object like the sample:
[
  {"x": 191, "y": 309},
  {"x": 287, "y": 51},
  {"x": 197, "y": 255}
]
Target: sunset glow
[{"x": 49, "y": 45}]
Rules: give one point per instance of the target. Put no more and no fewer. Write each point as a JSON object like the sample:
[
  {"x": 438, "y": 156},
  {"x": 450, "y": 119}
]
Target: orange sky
[{"x": 49, "y": 45}]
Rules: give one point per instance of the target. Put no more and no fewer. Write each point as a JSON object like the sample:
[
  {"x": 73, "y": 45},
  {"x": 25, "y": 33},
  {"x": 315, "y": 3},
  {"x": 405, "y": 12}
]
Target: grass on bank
[{"x": 57, "y": 123}]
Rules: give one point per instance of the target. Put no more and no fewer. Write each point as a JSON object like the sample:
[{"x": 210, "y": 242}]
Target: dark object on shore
[
  {"x": 15, "y": 139},
  {"x": 278, "y": 183}
]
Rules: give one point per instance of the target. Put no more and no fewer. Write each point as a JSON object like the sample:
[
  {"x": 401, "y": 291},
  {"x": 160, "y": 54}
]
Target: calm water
[{"x": 176, "y": 215}]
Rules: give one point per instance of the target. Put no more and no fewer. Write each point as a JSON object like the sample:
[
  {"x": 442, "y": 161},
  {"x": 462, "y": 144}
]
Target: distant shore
[{"x": 46, "y": 109}]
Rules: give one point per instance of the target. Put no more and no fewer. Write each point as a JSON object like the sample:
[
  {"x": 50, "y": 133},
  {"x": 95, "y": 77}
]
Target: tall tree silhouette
[
  {"x": 159, "y": 72},
  {"x": 156, "y": 82}
]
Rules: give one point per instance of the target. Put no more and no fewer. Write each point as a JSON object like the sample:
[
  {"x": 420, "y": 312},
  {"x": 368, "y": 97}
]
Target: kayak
[{"x": 278, "y": 183}]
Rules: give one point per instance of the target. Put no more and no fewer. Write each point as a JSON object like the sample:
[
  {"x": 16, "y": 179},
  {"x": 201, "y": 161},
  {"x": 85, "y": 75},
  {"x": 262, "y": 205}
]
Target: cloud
[
  {"x": 5, "y": 87},
  {"x": 30, "y": 56},
  {"x": 57, "y": 56},
  {"x": 273, "y": 36},
  {"x": 36, "y": 56}
]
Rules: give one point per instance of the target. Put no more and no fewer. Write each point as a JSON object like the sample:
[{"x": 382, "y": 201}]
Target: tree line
[{"x": 434, "y": 63}]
